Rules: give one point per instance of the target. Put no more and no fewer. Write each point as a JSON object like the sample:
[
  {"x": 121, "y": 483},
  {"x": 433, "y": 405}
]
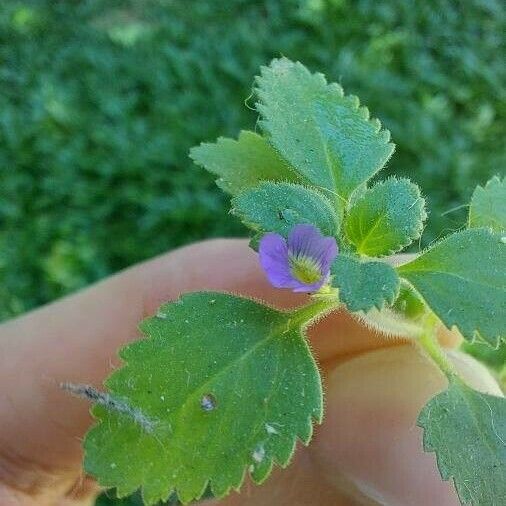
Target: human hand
[{"x": 367, "y": 451}]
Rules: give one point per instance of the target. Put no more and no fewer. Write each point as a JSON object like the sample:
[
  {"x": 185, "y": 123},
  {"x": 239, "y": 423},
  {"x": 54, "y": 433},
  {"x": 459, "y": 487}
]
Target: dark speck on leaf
[{"x": 208, "y": 402}]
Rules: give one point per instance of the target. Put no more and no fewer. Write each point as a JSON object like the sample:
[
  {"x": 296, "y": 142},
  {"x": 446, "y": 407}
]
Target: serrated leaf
[
  {"x": 386, "y": 218},
  {"x": 364, "y": 284},
  {"x": 463, "y": 279},
  {"x": 488, "y": 205},
  {"x": 278, "y": 207},
  {"x": 325, "y": 136},
  {"x": 467, "y": 430},
  {"x": 229, "y": 384},
  {"x": 242, "y": 163}
]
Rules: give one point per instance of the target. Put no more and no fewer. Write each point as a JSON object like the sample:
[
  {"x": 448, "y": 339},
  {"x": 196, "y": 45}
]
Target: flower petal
[
  {"x": 304, "y": 241},
  {"x": 328, "y": 253},
  {"x": 273, "y": 253},
  {"x": 307, "y": 240}
]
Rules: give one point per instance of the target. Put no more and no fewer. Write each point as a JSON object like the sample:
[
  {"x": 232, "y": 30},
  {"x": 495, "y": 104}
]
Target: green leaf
[
  {"x": 463, "y": 279},
  {"x": 363, "y": 284},
  {"x": 325, "y": 136},
  {"x": 467, "y": 430},
  {"x": 488, "y": 206},
  {"x": 277, "y": 207},
  {"x": 386, "y": 218},
  {"x": 495, "y": 359},
  {"x": 229, "y": 385},
  {"x": 242, "y": 163},
  {"x": 409, "y": 303}
]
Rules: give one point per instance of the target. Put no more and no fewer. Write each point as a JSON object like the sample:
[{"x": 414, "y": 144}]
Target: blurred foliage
[{"x": 101, "y": 100}]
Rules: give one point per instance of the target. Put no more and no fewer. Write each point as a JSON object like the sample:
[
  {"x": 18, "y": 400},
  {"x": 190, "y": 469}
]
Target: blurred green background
[{"x": 101, "y": 100}]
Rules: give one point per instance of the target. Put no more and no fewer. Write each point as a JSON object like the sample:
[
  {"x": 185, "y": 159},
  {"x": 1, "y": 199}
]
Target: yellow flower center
[{"x": 305, "y": 269}]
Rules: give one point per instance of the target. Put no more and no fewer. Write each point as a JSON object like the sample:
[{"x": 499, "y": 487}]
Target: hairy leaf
[
  {"x": 363, "y": 284},
  {"x": 488, "y": 205},
  {"x": 467, "y": 430},
  {"x": 327, "y": 138},
  {"x": 463, "y": 279},
  {"x": 227, "y": 385},
  {"x": 242, "y": 163},
  {"x": 278, "y": 207},
  {"x": 386, "y": 218}
]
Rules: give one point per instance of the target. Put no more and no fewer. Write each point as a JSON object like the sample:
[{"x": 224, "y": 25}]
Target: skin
[{"x": 367, "y": 451}]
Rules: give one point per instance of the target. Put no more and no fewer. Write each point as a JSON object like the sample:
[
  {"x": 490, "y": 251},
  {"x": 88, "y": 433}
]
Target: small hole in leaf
[{"x": 208, "y": 402}]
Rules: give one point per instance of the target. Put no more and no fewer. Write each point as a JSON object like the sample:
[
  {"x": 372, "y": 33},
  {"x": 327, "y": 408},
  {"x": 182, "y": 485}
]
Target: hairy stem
[
  {"x": 318, "y": 307},
  {"x": 390, "y": 323},
  {"x": 429, "y": 343}
]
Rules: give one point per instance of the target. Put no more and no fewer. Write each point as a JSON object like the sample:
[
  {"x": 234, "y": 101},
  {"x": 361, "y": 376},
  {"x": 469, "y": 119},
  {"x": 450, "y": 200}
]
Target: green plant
[{"x": 223, "y": 385}]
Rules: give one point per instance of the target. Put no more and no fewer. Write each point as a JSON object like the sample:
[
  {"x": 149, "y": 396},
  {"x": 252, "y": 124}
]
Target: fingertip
[
  {"x": 227, "y": 265},
  {"x": 369, "y": 443}
]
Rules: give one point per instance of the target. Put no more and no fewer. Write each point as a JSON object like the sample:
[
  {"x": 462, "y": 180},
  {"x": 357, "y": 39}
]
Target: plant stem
[
  {"x": 429, "y": 343},
  {"x": 391, "y": 324},
  {"x": 306, "y": 314}
]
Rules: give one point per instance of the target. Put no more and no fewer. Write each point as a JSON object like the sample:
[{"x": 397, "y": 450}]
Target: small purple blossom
[{"x": 302, "y": 262}]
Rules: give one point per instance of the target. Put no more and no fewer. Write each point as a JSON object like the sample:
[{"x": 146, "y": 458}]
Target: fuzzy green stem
[
  {"x": 429, "y": 343},
  {"x": 306, "y": 314},
  {"x": 391, "y": 323}
]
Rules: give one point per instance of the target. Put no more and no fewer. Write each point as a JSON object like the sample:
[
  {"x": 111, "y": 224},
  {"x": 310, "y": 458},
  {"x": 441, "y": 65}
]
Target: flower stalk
[{"x": 319, "y": 306}]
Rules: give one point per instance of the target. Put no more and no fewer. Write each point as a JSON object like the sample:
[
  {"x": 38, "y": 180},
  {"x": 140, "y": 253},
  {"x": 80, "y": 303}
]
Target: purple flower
[{"x": 302, "y": 262}]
